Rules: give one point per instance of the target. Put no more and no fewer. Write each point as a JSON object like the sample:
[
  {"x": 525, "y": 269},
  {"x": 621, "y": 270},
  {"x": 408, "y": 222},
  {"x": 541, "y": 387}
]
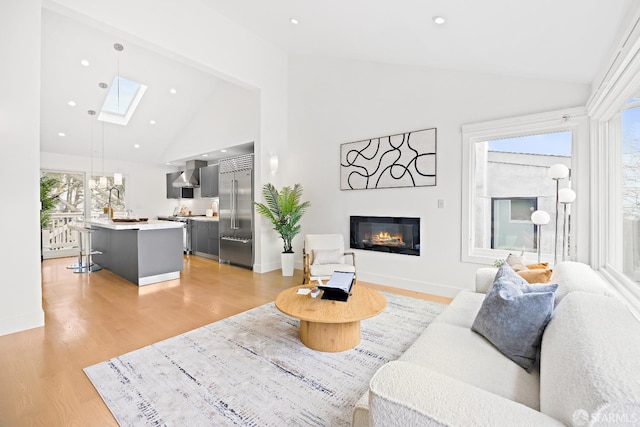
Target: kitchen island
[{"x": 141, "y": 252}]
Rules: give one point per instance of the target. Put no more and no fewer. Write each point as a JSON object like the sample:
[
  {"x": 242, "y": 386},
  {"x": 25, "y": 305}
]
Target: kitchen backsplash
[{"x": 197, "y": 205}]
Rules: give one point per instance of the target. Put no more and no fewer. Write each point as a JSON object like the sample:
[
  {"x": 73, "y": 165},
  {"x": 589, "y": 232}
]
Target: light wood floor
[{"x": 91, "y": 318}]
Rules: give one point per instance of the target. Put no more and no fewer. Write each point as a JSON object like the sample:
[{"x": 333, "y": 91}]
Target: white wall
[
  {"x": 20, "y": 288},
  {"x": 145, "y": 185},
  {"x": 336, "y": 101},
  {"x": 187, "y": 29},
  {"x": 191, "y": 30},
  {"x": 230, "y": 117}
]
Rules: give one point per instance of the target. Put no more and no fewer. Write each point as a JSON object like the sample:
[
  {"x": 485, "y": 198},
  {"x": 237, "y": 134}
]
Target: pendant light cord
[
  {"x": 91, "y": 176},
  {"x": 103, "y": 149}
]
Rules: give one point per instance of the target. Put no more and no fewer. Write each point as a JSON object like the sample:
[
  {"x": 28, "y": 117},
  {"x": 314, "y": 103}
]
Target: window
[
  {"x": 511, "y": 226},
  {"x": 505, "y": 179},
  {"x": 100, "y": 196},
  {"x": 630, "y": 188},
  {"x": 614, "y": 111},
  {"x": 59, "y": 240}
]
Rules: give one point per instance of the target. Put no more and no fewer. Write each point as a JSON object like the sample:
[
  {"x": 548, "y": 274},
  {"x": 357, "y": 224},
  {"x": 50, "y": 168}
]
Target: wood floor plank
[{"x": 90, "y": 318}]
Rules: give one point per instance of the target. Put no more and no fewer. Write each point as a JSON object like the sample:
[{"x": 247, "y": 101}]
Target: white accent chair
[{"x": 323, "y": 254}]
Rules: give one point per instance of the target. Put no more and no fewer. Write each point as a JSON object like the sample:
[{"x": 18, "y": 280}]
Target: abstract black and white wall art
[{"x": 404, "y": 160}]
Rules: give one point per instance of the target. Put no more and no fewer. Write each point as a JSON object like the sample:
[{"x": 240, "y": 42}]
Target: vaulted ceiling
[
  {"x": 568, "y": 40},
  {"x": 65, "y": 43}
]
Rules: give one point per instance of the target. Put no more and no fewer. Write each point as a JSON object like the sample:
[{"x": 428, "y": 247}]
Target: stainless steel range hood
[{"x": 191, "y": 176}]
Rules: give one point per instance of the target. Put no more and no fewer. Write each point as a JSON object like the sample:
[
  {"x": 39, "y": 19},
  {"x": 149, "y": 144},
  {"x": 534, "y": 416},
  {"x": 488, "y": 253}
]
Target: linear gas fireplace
[{"x": 397, "y": 235}]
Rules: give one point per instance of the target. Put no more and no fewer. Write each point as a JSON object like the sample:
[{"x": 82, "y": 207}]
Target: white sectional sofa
[{"x": 589, "y": 372}]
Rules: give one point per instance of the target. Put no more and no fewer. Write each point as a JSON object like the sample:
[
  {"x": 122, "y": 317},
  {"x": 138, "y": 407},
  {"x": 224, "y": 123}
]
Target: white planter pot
[{"x": 287, "y": 263}]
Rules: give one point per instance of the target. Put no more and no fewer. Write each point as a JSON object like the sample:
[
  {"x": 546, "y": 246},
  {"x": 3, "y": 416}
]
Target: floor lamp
[
  {"x": 539, "y": 218},
  {"x": 557, "y": 172},
  {"x": 566, "y": 196}
]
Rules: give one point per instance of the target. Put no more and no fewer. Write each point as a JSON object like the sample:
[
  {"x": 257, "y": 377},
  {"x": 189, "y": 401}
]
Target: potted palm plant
[{"x": 284, "y": 209}]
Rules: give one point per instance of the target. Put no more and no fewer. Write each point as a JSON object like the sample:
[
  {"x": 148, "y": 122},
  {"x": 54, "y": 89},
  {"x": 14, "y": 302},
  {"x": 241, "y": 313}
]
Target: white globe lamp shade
[
  {"x": 566, "y": 195},
  {"x": 540, "y": 218},
  {"x": 558, "y": 171}
]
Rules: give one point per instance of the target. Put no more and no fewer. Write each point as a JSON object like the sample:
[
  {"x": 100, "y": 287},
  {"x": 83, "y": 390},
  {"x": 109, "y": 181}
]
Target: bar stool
[{"x": 88, "y": 266}]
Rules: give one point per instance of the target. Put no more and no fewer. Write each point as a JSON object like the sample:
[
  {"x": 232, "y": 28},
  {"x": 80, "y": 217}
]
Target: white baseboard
[
  {"x": 394, "y": 282},
  {"x": 410, "y": 285},
  {"x": 265, "y": 268},
  {"x": 10, "y": 325},
  {"x": 407, "y": 284}
]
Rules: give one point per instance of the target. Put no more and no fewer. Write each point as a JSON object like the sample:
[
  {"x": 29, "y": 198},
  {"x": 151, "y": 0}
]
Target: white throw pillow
[
  {"x": 326, "y": 256},
  {"x": 516, "y": 263}
]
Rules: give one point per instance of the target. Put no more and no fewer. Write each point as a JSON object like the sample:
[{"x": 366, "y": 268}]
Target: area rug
[{"x": 252, "y": 370}]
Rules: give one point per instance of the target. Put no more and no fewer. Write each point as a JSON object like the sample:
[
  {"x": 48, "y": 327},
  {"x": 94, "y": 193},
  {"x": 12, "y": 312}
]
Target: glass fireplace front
[{"x": 398, "y": 235}]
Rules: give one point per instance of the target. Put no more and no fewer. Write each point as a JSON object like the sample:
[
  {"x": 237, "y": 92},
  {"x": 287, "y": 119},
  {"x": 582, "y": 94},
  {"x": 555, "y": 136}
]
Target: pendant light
[
  {"x": 117, "y": 176},
  {"x": 103, "y": 178},
  {"x": 92, "y": 182}
]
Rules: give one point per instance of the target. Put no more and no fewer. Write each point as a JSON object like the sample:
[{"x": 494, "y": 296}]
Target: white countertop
[
  {"x": 204, "y": 218},
  {"x": 152, "y": 224}
]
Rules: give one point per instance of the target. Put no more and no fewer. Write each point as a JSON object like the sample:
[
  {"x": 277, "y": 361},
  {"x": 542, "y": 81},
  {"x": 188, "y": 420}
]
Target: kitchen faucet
[{"x": 109, "y": 212}]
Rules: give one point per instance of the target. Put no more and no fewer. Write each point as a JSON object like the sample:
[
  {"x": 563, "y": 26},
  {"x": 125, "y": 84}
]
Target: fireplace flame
[{"x": 385, "y": 238}]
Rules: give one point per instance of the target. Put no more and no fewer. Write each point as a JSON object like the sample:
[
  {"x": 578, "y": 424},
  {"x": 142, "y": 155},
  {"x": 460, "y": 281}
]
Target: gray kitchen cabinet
[
  {"x": 177, "y": 192},
  {"x": 214, "y": 248},
  {"x": 204, "y": 238},
  {"x": 209, "y": 181}
]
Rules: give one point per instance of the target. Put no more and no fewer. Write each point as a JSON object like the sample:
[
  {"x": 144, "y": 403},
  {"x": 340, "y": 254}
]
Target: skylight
[{"x": 121, "y": 101}]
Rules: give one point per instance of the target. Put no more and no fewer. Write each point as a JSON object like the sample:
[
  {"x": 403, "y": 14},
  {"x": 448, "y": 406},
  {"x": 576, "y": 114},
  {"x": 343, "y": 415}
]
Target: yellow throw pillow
[
  {"x": 540, "y": 265},
  {"x": 536, "y": 275}
]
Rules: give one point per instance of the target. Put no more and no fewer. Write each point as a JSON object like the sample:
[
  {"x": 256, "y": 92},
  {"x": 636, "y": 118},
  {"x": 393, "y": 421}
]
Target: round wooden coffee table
[{"x": 327, "y": 325}]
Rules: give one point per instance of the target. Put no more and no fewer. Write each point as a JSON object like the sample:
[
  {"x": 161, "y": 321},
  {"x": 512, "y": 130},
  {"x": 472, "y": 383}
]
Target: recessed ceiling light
[
  {"x": 136, "y": 146},
  {"x": 72, "y": 103},
  {"x": 84, "y": 63},
  {"x": 168, "y": 163},
  {"x": 153, "y": 122},
  {"x": 439, "y": 20},
  {"x": 205, "y": 155},
  {"x": 172, "y": 91},
  {"x": 103, "y": 85},
  {"x": 294, "y": 21},
  {"x": 223, "y": 151},
  {"x": 62, "y": 134}
]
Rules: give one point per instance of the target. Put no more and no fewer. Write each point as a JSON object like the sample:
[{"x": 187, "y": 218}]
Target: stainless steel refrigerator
[{"x": 235, "y": 192}]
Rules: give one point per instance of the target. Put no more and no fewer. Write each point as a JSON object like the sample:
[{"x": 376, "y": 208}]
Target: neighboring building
[{"x": 509, "y": 188}]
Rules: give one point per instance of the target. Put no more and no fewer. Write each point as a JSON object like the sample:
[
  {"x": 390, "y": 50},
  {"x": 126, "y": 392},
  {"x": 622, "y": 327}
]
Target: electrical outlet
[{"x": 440, "y": 203}]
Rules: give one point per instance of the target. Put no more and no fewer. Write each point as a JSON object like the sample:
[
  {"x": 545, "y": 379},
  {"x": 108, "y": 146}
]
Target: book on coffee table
[{"x": 338, "y": 287}]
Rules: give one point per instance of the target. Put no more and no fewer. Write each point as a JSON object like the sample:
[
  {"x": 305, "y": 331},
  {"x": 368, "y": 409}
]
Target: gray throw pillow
[{"x": 514, "y": 314}]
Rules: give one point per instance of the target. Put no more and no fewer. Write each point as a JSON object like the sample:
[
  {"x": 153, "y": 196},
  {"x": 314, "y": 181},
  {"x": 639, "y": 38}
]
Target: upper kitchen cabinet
[
  {"x": 209, "y": 181},
  {"x": 177, "y": 192}
]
